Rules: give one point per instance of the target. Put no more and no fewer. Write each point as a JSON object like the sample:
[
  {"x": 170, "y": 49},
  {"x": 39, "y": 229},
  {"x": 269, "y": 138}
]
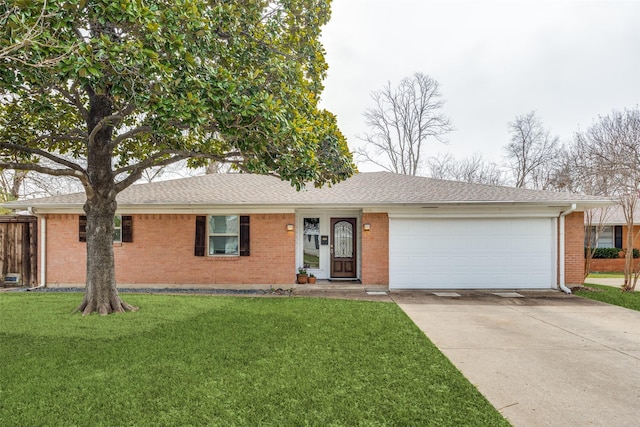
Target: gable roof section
[{"x": 362, "y": 190}]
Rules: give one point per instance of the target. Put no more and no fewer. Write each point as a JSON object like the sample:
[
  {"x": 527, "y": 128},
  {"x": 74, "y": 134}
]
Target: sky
[{"x": 568, "y": 60}]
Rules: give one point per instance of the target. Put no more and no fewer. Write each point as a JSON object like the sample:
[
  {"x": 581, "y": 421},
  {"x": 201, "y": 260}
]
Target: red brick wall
[
  {"x": 375, "y": 249},
  {"x": 162, "y": 252},
  {"x": 603, "y": 265},
  {"x": 574, "y": 248},
  {"x": 600, "y": 265}
]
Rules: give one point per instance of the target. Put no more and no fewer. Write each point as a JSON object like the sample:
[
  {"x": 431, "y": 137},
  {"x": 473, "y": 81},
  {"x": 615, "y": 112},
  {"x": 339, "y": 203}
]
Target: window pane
[
  {"x": 223, "y": 224},
  {"x": 605, "y": 240},
  {"x": 223, "y": 245},
  {"x": 117, "y": 230},
  {"x": 311, "y": 243},
  {"x": 343, "y": 240}
]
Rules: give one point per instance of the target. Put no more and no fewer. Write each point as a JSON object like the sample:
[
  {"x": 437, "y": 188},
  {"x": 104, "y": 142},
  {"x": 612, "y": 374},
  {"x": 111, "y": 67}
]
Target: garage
[{"x": 472, "y": 253}]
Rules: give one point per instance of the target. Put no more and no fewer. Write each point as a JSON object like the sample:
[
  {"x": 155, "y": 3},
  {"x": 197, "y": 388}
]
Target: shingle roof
[
  {"x": 363, "y": 189},
  {"x": 613, "y": 215}
]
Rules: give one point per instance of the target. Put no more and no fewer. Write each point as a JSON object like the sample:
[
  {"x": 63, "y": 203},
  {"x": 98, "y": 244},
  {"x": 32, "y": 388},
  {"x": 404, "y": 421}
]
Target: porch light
[
  {"x": 366, "y": 226},
  {"x": 289, "y": 227}
]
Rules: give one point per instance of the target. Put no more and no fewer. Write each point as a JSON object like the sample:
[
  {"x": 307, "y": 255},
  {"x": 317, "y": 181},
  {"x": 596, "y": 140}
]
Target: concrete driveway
[{"x": 545, "y": 359}]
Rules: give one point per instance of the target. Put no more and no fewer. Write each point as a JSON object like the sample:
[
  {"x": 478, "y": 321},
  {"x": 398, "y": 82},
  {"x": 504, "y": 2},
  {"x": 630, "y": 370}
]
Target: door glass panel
[
  {"x": 343, "y": 240},
  {"x": 311, "y": 243}
]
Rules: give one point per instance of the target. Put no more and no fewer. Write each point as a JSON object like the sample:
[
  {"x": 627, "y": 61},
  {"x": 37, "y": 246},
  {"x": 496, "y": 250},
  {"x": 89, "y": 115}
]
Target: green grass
[
  {"x": 228, "y": 361},
  {"x": 605, "y": 275},
  {"x": 612, "y": 295}
]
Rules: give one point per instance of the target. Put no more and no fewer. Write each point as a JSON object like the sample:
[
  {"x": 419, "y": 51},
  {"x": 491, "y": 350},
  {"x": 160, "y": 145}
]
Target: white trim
[
  {"x": 561, "y": 266},
  {"x": 325, "y": 215},
  {"x": 42, "y": 246},
  {"x": 43, "y": 251},
  {"x": 201, "y": 208},
  {"x": 209, "y": 234}
]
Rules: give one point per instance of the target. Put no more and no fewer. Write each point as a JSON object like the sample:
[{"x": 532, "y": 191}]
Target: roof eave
[{"x": 290, "y": 207}]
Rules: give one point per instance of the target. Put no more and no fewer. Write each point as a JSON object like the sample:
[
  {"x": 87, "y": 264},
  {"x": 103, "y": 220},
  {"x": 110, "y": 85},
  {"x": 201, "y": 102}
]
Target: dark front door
[{"x": 343, "y": 248}]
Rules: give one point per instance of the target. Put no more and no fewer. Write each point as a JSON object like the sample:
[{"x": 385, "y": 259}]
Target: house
[
  {"x": 380, "y": 228},
  {"x": 613, "y": 234}
]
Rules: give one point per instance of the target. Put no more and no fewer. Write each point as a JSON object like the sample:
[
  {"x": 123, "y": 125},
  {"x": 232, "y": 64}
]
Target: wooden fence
[{"x": 19, "y": 250}]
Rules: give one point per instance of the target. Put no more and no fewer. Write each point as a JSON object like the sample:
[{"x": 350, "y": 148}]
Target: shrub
[
  {"x": 611, "y": 253},
  {"x": 608, "y": 253}
]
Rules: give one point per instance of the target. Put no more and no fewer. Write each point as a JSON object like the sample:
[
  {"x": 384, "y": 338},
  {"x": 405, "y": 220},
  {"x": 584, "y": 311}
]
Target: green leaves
[{"x": 222, "y": 79}]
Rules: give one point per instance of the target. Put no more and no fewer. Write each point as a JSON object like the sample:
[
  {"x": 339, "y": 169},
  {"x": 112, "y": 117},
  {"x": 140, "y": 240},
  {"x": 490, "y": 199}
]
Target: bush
[
  {"x": 608, "y": 253},
  {"x": 611, "y": 253}
]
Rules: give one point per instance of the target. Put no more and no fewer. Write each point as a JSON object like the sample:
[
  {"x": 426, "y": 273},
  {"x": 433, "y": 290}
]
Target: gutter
[
  {"x": 43, "y": 249},
  {"x": 563, "y": 286}
]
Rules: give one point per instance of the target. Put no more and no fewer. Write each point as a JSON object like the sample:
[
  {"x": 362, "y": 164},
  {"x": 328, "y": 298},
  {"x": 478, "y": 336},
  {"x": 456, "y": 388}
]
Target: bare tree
[
  {"x": 472, "y": 169},
  {"x": 574, "y": 173},
  {"x": 402, "y": 121},
  {"x": 611, "y": 157},
  {"x": 532, "y": 152},
  {"x": 594, "y": 222}
]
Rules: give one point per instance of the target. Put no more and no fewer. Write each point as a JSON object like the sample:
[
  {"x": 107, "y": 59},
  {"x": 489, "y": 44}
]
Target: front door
[{"x": 343, "y": 248}]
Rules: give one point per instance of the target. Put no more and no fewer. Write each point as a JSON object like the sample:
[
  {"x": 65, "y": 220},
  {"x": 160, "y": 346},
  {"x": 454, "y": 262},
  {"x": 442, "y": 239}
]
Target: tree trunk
[
  {"x": 630, "y": 274},
  {"x": 101, "y": 294}
]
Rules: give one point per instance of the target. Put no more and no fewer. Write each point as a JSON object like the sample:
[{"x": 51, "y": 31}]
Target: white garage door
[{"x": 491, "y": 253}]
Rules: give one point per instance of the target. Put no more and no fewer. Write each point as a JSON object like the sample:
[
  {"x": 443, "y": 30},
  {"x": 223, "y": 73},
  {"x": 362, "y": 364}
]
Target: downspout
[
  {"x": 42, "y": 243},
  {"x": 563, "y": 286}
]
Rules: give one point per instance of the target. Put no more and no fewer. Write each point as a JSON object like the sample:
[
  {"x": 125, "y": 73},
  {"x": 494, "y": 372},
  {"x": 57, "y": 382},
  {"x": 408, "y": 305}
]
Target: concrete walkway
[
  {"x": 608, "y": 281},
  {"x": 541, "y": 360}
]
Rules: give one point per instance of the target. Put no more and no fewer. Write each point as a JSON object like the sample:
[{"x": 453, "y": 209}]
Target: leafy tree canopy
[{"x": 229, "y": 81}]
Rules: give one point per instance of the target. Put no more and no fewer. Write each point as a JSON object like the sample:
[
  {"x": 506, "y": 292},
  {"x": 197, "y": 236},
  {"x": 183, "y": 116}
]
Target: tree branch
[
  {"x": 46, "y": 170},
  {"x": 160, "y": 159},
  {"x": 74, "y": 98},
  {"x": 42, "y": 153},
  {"x": 112, "y": 119},
  {"x": 129, "y": 134}
]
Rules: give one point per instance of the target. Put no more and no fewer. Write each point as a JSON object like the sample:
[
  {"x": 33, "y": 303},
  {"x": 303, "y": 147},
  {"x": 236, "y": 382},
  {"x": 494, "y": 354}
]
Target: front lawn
[
  {"x": 611, "y": 295},
  {"x": 228, "y": 361},
  {"x": 605, "y": 276}
]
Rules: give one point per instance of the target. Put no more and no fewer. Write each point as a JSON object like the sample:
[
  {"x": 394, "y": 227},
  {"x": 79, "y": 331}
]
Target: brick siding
[
  {"x": 162, "y": 252},
  {"x": 574, "y": 248},
  {"x": 375, "y": 249}
]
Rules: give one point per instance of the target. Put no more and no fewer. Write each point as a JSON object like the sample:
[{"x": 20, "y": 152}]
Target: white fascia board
[
  {"x": 479, "y": 212},
  {"x": 168, "y": 210},
  {"x": 201, "y": 209},
  {"x": 429, "y": 209}
]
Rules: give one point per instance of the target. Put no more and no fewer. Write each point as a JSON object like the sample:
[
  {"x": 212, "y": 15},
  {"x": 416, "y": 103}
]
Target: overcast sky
[{"x": 569, "y": 60}]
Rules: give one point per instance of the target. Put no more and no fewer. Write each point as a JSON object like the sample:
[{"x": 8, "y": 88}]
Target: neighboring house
[
  {"x": 612, "y": 235},
  {"x": 380, "y": 228}
]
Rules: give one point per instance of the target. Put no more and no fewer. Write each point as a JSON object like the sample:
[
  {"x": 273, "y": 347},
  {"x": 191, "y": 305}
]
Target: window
[
  {"x": 117, "y": 229},
  {"x": 122, "y": 228},
  {"x": 610, "y": 237},
  {"x": 311, "y": 242},
  {"x": 224, "y": 235}
]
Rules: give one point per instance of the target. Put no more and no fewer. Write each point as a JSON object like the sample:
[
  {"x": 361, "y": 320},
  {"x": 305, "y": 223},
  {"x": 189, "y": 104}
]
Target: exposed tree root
[{"x": 113, "y": 305}]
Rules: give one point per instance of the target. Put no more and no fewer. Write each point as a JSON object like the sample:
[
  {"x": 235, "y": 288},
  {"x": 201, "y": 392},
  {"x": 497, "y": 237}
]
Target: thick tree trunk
[{"x": 101, "y": 294}]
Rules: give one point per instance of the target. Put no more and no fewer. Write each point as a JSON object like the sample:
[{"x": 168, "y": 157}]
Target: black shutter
[
  {"x": 127, "y": 228},
  {"x": 244, "y": 236},
  {"x": 617, "y": 236},
  {"x": 82, "y": 228},
  {"x": 201, "y": 229}
]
